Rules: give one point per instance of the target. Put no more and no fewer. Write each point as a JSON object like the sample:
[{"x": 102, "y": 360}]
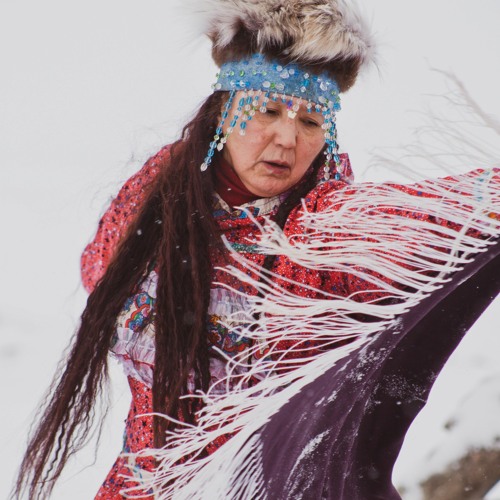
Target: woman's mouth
[{"x": 277, "y": 166}]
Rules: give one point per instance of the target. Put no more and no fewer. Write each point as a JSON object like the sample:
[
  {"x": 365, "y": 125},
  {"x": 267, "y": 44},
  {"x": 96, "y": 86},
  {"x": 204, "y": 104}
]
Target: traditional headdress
[{"x": 310, "y": 50}]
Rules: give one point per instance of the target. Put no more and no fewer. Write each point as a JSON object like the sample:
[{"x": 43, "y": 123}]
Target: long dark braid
[{"x": 175, "y": 231}]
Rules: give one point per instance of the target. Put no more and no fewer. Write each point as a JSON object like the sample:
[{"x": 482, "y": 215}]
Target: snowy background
[{"x": 90, "y": 89}]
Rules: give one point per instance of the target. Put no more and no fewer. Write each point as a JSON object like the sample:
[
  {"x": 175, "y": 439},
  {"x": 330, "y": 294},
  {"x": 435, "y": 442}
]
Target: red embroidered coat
[{"x": 133, "y": 344}]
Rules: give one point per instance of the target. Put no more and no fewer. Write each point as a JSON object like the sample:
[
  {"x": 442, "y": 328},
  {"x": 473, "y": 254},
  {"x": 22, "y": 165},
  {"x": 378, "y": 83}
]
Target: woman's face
[{"x": 277, "y": 150}]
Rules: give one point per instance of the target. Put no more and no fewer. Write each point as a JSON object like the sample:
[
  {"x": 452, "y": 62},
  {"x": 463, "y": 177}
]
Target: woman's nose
[{"x": 286, "y": 132}]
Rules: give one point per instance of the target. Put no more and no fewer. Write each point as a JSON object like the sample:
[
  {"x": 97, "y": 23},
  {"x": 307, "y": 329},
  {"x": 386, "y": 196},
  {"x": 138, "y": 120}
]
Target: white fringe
[{"x": 363, "y": 232}]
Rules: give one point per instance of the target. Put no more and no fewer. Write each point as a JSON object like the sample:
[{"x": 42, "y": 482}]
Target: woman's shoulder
[
  {"x": 117, "y": 217},
  {"x": 148, "y": 172},
  {"x": 339, "y": 202},
  {"x": 324, "y": 190},
  {"x": 454, "y": 198},
  {"x": 331, "y": 193}
]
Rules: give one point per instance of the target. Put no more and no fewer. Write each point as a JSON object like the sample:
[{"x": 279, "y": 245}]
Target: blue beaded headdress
[
  {"x": 258, "y": 73},
  {"x": 262, "y": 80}
]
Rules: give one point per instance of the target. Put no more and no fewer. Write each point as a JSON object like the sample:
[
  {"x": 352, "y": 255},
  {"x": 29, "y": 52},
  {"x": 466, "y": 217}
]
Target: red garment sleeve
[
  {"x": 362, "y": 290},
  {"x": 116, "y": 219}
]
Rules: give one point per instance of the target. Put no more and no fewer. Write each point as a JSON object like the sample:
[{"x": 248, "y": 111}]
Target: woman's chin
[{"x": 267, "y": 191}]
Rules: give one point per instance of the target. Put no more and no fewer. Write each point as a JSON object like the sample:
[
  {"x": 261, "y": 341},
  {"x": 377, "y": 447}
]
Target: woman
[{"x": 173, "y": 248}]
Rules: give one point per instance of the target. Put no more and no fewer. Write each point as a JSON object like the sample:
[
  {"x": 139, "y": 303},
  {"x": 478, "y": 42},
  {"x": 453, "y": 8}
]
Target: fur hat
[{"x": 322, "y": 36}]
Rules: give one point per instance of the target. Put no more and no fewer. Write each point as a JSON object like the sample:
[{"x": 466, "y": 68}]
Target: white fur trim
[{"x": 312, "y": 30}]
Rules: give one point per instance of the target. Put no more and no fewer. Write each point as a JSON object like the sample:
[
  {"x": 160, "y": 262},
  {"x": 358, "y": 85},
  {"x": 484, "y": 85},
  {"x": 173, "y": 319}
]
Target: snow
[
  {"x": 462, "y": 412},
  {"x": 494, "y": 493},
  {"x": 89, "y": 90}
]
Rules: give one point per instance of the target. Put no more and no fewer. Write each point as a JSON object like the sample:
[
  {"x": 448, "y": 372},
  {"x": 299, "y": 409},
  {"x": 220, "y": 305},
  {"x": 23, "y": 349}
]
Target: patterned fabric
[
  {"x": 114, "y": 222},
  {"x": 133, "y": 344},
  {"x": 137, "y": 436},
  {"x": 124, "y": 207}
]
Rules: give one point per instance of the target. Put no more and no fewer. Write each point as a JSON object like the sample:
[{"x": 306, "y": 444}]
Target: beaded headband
[{"x": 262, "y": 80}]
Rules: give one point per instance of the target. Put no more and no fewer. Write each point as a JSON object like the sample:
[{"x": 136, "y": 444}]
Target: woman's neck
[{"x": 229, "y": 186}]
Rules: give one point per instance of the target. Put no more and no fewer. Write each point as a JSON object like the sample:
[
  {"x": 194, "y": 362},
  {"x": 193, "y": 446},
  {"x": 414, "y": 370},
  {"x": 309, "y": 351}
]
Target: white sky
[{"x": 88, "y": 90}]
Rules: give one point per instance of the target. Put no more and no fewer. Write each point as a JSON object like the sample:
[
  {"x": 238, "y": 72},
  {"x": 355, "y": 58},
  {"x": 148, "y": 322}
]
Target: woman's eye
[
  {"x": 272, "y": 111},
  {"x": 311, "y": 123}
]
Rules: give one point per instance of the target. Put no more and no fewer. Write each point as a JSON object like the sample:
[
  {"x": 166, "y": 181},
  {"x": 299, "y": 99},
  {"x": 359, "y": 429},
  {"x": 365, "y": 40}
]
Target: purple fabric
[{"x": 340, "y": 436}]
